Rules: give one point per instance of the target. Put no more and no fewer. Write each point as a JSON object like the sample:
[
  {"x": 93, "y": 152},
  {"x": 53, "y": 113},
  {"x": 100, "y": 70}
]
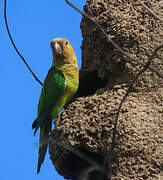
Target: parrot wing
[{"x": 53, "y": 88}]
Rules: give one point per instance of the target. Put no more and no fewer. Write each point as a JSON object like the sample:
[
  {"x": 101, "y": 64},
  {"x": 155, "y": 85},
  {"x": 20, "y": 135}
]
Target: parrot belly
[{"x": 69, "y": 92}]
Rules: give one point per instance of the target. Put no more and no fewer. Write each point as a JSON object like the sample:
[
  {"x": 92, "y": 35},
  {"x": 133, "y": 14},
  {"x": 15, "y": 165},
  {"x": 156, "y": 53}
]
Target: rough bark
[{"x": 87, "y": 124}]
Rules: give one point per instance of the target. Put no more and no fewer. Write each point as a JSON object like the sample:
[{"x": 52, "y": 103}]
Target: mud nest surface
[
  {"x": 130, "y": 25},
  {"x": 83, "y": 133}
]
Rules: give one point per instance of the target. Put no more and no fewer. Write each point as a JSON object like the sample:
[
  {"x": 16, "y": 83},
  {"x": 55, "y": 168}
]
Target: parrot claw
[{"x": 34, "y": 123}]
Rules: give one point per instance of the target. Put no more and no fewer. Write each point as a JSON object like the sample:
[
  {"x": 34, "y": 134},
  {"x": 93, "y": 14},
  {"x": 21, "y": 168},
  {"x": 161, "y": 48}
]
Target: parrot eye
[{"x": 66, "y": 43}]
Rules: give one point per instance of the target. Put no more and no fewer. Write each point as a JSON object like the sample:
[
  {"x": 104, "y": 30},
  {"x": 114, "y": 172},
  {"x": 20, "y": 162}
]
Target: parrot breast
[{"x": 70, "y": 90}]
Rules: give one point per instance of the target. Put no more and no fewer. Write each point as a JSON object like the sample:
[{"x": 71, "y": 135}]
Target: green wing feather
[{"x": 53, "y": 88}]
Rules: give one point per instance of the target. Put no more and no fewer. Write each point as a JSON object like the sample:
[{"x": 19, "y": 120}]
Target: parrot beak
[
  {"x": 58, "y": 54},
  {"x": 56, "y": 48}
]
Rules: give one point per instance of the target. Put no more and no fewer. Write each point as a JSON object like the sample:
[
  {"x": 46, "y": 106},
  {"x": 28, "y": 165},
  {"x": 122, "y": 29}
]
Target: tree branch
[{"x": 8, "y": 31}]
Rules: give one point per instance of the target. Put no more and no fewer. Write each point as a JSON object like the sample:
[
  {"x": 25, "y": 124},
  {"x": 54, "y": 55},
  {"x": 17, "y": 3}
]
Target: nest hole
[{"x": 89, "y": 83}]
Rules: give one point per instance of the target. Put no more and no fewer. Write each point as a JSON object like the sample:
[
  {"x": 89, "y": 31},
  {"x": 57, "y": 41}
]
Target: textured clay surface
[
  {"x": 88, "y": 122},
  {"x": 84, "y": 130},
  {"x": 131, "y": 26}
]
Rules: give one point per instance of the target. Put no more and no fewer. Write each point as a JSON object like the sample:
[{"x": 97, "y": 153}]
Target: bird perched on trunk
[{"x": 60, "y": 85}]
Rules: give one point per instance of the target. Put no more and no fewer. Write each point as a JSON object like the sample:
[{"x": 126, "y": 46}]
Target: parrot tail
[{"x": 43, "y": 143}]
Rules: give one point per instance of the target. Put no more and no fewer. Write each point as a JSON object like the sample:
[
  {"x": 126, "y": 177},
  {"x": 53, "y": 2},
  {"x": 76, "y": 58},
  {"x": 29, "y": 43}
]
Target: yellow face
[{"x": 62, "y": 51}]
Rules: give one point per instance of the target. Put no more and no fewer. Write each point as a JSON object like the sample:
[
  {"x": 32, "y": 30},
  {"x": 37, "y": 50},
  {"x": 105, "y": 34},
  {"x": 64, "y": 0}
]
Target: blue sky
[{"x": 33, "y": 24}]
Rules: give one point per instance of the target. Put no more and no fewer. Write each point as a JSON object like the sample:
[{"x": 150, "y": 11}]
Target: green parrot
[{"x": 60, "y": 85}]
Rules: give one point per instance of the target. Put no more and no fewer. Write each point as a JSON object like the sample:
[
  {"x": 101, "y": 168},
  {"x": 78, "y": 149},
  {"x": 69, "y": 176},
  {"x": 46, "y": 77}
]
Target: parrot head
[{"x": 63, "y": 52}]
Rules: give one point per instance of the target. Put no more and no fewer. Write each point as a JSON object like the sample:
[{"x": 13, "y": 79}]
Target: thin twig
[
  {"x": 111, "y": 41},
  {"x": 8, "y": 31},
  {"x": 129, "y": 89},
  {"x": 148, "y": 9}
]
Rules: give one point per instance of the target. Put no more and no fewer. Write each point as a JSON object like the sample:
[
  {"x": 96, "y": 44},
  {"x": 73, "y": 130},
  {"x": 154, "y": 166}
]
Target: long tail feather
[{"x": 43, "y": 143}]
